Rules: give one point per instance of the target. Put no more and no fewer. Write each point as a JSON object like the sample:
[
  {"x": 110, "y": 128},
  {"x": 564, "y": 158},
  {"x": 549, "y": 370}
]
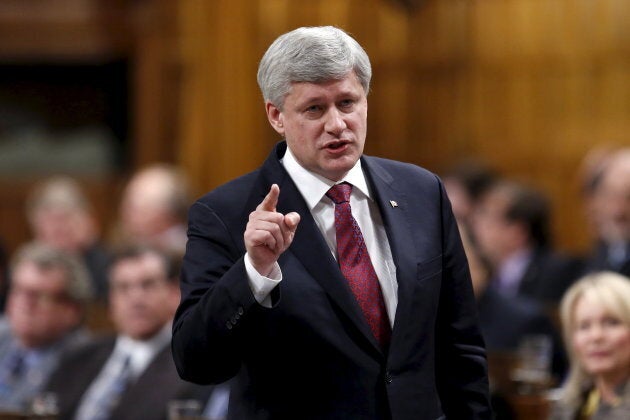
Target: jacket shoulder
[{"x": 398, "y": 168}]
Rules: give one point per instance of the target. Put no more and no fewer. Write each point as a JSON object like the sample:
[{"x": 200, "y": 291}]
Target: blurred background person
[
  {"x": 506, "y": 320},
  {"x": 511, "y": 225},
  {"x": 465, "y": 182},
  {"x": 4, "y": 276},
  {"x": 48, "y": 294},
  {"x": 153, "y": 209},
  {"x": 130, "y": 375},
  {"x": 595, "y": 315},
  {"x": 610, "y": 207},
  {"x": 61, "y": 216}
]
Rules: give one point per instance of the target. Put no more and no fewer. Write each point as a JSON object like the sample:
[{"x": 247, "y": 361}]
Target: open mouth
[{"x": 337, "y": 145}]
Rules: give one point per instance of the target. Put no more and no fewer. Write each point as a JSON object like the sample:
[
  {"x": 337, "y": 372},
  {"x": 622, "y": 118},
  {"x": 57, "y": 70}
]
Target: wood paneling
[{"x": 529, "y": 86}]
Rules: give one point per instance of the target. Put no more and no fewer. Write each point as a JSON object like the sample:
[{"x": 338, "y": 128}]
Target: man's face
[
  {"x": 498, "y": 236},
  {"x": 143, "y": 209},
  {"x": 142, "y": 300},
  {"x": 38, "y": 308},
  {"x": 324, "y": 124},
  {"x": 67, "y": 229},
  {"x": 612, "y": 203}
]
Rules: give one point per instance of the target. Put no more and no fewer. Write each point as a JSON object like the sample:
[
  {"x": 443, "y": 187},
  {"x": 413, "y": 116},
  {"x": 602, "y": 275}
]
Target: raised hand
[{"x": 269, "y": 233}]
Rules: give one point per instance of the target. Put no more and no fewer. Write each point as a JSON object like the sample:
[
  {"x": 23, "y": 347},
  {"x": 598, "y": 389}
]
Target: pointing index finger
[{"x": 271, "y": 199}]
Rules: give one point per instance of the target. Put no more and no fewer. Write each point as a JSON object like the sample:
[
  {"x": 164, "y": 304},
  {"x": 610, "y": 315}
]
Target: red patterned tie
[{"x": 356, "y": 265}]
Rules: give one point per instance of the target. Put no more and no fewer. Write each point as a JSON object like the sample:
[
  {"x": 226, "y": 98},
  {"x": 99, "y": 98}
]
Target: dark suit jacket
[
  {"x": 548, "y": 275},
  {"x": 312, "y": 354},
  {"x": 146, "y": 398},
  {"x": 504, "y": 321},
  {"x": 598, "y": 261}
]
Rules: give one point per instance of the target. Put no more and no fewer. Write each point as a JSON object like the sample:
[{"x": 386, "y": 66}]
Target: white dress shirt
[
  {"x": 313, "y": 188},
  {"x": 140, "y": 354}
]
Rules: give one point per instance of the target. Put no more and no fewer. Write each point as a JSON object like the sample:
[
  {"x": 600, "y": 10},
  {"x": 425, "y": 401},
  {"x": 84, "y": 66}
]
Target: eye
[
  {"x": 611, "y": 321},
  {"x": 583, "y": 325},
  {"x": 346, "y": 104},
  {"x": 313, "y": 112},
  {"x": 314, "y": 109}
]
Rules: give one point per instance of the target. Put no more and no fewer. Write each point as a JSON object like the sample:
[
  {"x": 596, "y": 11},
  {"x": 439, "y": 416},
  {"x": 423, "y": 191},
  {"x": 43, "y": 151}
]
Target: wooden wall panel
[{"x": 529, "y": 86}]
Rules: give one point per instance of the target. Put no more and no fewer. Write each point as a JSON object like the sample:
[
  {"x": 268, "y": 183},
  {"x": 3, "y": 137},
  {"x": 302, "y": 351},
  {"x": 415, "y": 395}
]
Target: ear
[{"x": 275, "y": 117}]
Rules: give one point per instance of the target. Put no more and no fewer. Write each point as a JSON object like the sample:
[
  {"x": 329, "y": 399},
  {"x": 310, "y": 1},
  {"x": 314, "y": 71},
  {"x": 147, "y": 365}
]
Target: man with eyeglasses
[
  {"x": 48, "y": 294},
  {"x": 130, "y": 375}
]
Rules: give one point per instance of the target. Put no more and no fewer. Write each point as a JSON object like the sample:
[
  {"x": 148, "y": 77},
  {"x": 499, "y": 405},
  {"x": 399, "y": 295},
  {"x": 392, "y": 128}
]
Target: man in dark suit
[
  {"x": 321, "y": 313},
  {"x": 611, "y": 213},
  {"x": 131, "y": 375},
  {"x": 511, "y": 225}
]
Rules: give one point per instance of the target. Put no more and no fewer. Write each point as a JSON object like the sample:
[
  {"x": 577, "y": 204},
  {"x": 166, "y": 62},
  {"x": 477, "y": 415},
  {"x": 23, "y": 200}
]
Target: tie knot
[{"x": 340, "y": 193}]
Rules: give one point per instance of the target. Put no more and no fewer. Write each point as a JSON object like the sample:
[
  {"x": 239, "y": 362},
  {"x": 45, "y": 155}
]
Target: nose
[
  {"x": 334, "y": 124},
  {"x": 595, "y": 332}
]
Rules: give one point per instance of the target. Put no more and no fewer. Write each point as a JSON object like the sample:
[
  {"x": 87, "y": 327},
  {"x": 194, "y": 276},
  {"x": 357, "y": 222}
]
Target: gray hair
[
  {"x": 313, "y": 55},
  {"x": 57, "y": 192},
  {"x": 78, "y": 285}
]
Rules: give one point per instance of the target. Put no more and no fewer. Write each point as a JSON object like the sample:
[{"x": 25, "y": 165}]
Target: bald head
[{"x": 155, "y": 199}]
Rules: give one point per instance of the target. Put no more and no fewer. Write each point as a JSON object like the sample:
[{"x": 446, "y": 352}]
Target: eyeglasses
[
  {"x": 40, "y": 297},
  {"x": 147, "y": 285}
]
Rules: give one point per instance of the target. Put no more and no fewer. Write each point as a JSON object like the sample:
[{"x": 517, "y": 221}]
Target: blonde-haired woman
[{"x": 595, "y": 314}]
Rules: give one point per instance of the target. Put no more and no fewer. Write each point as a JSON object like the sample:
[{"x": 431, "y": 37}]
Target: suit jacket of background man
[
  {"x": 31, "y": 383},
  {"x": 598, "y": 261},
  {"x": 548, "y": 275},
  {"x": 312, "y": 354},
  {"x": 146, "y": 398}
]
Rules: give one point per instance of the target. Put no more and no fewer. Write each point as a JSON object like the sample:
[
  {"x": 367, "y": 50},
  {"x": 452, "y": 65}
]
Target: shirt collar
[
  {"x": 514, "y": 267},
  {"x": 313, "y": 186},
  {"x": 126, "y": 345}
]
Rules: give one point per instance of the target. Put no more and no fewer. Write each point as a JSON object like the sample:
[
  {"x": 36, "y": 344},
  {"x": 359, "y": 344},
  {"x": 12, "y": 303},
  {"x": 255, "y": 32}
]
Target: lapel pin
[{"x": 393, "y": 203}]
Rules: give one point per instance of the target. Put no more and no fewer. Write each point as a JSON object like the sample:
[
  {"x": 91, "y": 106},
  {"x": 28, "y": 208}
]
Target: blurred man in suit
[
  {"x": 49, "y": 291},
  {"x": 153, "y": 209},
  {"x": 465, "y": 182},
  {"x": 611, "y": 214},
  {"x": 506, "y": 320},
  {"x": 61, "y": 216},
  {"x": 333, "y": 282},
  {"x": 511, "y": 225},
  {"x": 131, "y": 375}
]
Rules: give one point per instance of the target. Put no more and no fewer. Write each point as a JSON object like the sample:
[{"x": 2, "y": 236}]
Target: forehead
[
  {"x": 617, "y": 182},
  {"x": 29, "y": 273},
  {"x": 592, "y": 304},
  {"x": 496, "y": 199},
  {"x": 138, "y": 267},
  {"x": 309, "y": 91}
]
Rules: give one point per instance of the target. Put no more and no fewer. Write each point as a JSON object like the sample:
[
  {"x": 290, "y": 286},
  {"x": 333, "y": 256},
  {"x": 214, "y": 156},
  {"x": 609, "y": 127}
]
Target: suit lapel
[{"x": 394, "y": 207}]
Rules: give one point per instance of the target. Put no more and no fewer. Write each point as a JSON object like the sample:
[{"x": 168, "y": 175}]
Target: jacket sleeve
[{"x": 216, "y": 300}]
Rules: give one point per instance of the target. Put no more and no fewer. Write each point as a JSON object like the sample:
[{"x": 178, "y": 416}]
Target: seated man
[
  {"x": 131, "y": 375},
  {"x": 45, "y": 306},
  {"x": 610, "y": 198},
  {"x": 511, "y": 225},
  {"x": 153, "y": 209},
  {"x": 61, "y": 216}
]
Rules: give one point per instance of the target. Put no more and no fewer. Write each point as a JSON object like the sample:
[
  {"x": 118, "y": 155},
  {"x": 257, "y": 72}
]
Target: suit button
[
  {"x": 229, "y": 325},
  {"x": 235, "y": 319},
  {"x": 388, "y": 378},
  {"x": 240, "y": 310}
]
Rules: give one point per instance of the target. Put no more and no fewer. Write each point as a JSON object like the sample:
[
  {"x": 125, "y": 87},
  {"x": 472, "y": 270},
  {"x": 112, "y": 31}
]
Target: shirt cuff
[{"x": 262, "y": 286}]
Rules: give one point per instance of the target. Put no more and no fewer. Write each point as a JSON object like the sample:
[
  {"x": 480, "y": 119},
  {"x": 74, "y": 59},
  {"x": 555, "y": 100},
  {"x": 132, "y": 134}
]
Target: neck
[{"x": 607, "y": 385}]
